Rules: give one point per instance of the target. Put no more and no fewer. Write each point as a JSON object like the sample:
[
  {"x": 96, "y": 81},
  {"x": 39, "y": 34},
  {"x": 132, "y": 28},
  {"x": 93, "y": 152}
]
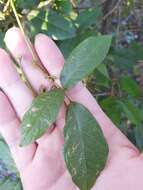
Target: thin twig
[
  {"x": 34, "y": 55},
  {"x": 103, "y": 2},
  {"x": 88, "y": 7},
  {"x": 25, "y": 78},
  {"x": 21, "y": 28},
  {"x": 118, "y": 28},
  {"x": 73, "y": 2},
  {"x": 102, "y": 94},
  {"x": 112, "y": 10},
  {"x": 31, "y": 49},
  {"x": 6, "y": 6}
]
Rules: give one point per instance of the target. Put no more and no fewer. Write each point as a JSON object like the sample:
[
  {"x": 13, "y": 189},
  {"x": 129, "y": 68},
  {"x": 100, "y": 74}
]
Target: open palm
[{"x": 41, "y": 164}]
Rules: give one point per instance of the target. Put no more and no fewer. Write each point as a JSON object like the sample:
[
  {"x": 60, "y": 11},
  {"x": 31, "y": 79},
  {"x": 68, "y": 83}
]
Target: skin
[{"x": 41, "y": 164}]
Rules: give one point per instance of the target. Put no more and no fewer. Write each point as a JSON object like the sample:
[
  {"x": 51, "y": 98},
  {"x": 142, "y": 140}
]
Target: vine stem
[
  {"x": 33, "y": 53},
  {"x": 21, "y": 28},
  {"x": 16, "y": 16}
]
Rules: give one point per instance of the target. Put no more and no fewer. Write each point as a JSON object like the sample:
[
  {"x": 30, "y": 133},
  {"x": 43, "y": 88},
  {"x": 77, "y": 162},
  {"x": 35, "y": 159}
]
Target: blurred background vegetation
[{"x": 117, "y": 83}]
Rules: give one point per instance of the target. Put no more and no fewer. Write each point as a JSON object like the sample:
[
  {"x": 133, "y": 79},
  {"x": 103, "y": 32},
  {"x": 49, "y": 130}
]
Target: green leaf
[
  {"x": 9, "y": 175},
  {"x": 84, "y": 59},
  {"x": 126, "y": 58},
  {"x": 88, "y": 17},
  {"x": 24, "y": 4},
  {"x": 101, "y": 75},
  {"x": 50, "y": 23},
  {"x": 85, "y": 148},
  {"x": 2, "y": 44},
  {"x": 131, "y": 111},
  {"x": 139, "y": 136},
  {"x": 41, "y": 115},
  {"x": 5, "y": 155},
  {"x": 64, "y": 6},
  {"x": 103, "y": 70},
  {"x": 112, "y": 109},
  {"x": 130, "y": 86},
  {"x": 66, "y": 46},
  {"x": 8, "y": 184}
]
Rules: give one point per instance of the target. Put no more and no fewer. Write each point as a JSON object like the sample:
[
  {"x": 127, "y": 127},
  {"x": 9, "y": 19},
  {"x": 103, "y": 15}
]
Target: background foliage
[{"x": 117, "y": 83}]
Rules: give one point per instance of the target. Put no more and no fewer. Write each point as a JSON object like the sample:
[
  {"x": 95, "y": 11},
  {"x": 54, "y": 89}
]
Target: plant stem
[
  {"x": 16, "y": 16},
  {"x": 22, "y": 30},
  {"x": 26, "y": 81},
  {"x": 33, "y": 53}
]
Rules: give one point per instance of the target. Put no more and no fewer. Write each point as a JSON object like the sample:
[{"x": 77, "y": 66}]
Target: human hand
[{"x": 41, "y": 164}]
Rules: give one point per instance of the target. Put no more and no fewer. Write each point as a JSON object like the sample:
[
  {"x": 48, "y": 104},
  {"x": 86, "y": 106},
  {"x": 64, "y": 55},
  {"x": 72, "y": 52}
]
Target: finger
[
  {"x": 17, "y": 91},
  {"x": 17, "y": 45},
  {"x": 19, "y": 48},
  {"x": 49, "y": 54},
  {"x": 9, "y": 128},
  {"x": 61, "y": 118},
  {"x": 53, "y": 60},
  {"x": 64, "y": 183},
  {"x": 50, "y": 148}
]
